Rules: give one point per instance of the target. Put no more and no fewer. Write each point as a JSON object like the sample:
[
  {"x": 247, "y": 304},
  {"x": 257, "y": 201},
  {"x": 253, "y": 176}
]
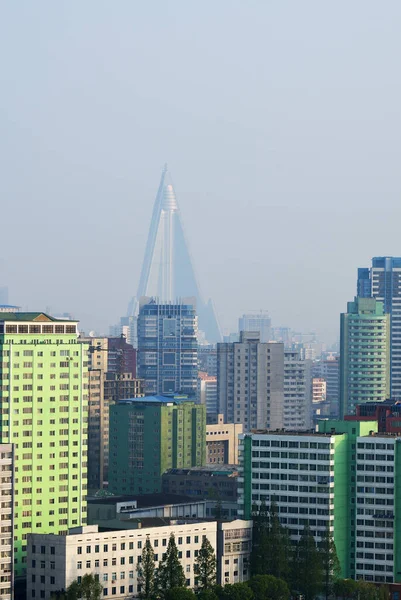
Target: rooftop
[
  {"x": 145, "y": 501},
  {"x": 210, "y": 470},
  {"x": 156, "y": 400},
  {"x": 281, "y": 432},
  {"x": 29, "y": 316}
]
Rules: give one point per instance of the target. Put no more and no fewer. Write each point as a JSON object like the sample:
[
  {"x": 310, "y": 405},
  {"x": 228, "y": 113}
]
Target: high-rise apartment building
[
  {"x": 318, "y": 479},
  {"x": 383, "y": 282},
  {"x": 44, "y": 414},
  {"x": 206, "y": 392},
  {"x": 297, "y": 411},
  {"x": 329, "y": 370},
  {"x": 257, "y": 321},
  {"x": 167, "y": 347},
  {"x": 150, "y": 435},
  {"x": 250, "y": 382},
  {"x": 6, "y": 521},
  {"x": 364, "y": 354}
]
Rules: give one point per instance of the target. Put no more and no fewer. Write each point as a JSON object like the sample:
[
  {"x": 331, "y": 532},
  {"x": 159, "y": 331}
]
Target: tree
[
  {"x": 307, "y": 566},
  {"x": 90, "y": 588},
  {"x": 235, "y": 591},
  {"x": 268, "y": 586},
  {"x": 179, "y": 593},
  {"x": 207, "y": 595},
  {"x": 205, "y": 566},
  {"x": 271, "y": 545},
  {"x": 345, "y": 588},
  {"x": 329, "y": 559},
  {"x": 260, "y": 517},
  {"x": 279, "y": 547},
  {"x": 170, "y": 573},
  {"x": 146, "y": 571}
]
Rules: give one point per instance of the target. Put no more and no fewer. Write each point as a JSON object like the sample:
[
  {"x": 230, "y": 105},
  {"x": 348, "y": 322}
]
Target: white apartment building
[
  {"x": 297, "y": 392},
  {"x": 54, "y": 561},
  {"x": 377, "y": 530},
  {"x": 296, "y": 471}
]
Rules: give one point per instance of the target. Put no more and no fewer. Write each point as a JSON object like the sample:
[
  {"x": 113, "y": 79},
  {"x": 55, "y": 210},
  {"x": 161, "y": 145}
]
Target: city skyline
[{"x": 279, "y": 146}]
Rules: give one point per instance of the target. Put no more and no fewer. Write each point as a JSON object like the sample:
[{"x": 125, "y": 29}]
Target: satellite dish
[{"x": 92, "y": 334}]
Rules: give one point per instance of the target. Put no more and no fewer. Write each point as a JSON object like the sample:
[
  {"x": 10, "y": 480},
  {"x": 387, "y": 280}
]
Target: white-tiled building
[
  {"x": 53, "y": 561},
  {"x": 296, "y": 471},
  {"x": 377, "y": 529}
]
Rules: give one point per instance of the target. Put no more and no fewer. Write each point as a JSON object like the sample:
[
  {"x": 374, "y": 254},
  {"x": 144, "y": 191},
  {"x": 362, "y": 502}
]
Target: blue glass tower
[{"x": 384, "y": 281}]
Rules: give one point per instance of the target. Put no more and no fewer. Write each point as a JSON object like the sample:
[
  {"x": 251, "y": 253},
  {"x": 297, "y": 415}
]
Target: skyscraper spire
[{"x": 167, "y": 270}]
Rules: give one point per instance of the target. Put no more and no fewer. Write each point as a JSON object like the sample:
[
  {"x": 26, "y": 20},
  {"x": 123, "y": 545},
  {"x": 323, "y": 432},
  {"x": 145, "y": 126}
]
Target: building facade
[
  {"x": 150, "y": 435},
  {"x": 250, "y": 382},
  {"x": 329, "y": 370},
  {"x": 111, "y": 364},
  {"x": 112, "y": 556},
  {"x": 364, "y": 354},
  {"x": 297, "y": 412},
  {"x": 216, "y": 482},
  {"x": 206, "y": 392},
  {"x": 383, "y": 282},
  {"x": 257, "y": 321},
  {"x": 6, "y": 521},
  {"x": 167, "y": 347},
  {"x": 44, "y": 381},
  {"x": 312, "y": 479},
  {"x": 222, "y": 442}
]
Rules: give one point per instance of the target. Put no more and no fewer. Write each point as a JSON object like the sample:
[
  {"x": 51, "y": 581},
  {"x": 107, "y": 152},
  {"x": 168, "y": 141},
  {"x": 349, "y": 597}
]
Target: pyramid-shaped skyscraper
[{"x": 167, "y": 270}]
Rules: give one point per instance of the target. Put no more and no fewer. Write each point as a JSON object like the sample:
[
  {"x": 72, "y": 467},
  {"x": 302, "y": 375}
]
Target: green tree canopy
[
  {"x": 271, "y": 544},
  {"x": 268, "y": 587},
  {"x": 330, "y": 563},
  {"x": 146, "y": 571},
  {"x": 205, "y": 566},
  {"x": 91, "y": 588},
  {"x": 170, "y": 573},
  {"x": 179, "y": 593},
  {"x": 235, "y": 591},
  {"x": 307, "y": 573}
]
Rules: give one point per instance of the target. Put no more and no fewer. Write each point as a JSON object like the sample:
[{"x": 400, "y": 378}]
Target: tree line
[{"x": 307, "y": 567}]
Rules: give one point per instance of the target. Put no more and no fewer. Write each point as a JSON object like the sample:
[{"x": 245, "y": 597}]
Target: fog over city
[{"x": 280, "y": 123}]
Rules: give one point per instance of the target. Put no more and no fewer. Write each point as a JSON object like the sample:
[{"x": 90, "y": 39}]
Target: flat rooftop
[
  {"x": 309, "y": 432},
  {"x": 230, "y": 470},
  {"x": 145, "y": 501},
  {"x": 156, "y": 400}
]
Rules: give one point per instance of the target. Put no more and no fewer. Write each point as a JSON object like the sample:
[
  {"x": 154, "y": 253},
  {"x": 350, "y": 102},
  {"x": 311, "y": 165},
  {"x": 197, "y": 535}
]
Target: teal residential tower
[{"x": 364, "y": 354}]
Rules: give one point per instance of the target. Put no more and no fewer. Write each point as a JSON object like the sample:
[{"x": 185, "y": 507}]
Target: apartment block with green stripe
[
  {"x": 44, "y": 408},
  {"x": 345, "y": 476}
]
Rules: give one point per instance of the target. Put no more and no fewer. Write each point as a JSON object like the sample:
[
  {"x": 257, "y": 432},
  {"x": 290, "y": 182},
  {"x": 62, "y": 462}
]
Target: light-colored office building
[{"x": 55, "y": 561}]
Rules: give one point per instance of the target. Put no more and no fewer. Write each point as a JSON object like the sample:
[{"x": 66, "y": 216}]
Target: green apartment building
[
  {"x": 44, "y": 414},
  {"x": 364, "y": 354},
  {"x": 150, "y": 435}
]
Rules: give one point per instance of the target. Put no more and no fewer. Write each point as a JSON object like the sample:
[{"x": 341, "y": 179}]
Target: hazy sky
[{"x": 280, "y": 122}]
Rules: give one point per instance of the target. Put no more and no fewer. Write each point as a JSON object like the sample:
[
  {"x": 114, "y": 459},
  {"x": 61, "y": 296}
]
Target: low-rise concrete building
[
  {"x": 54, "y": 561},
  {"x": 218, "y": 482},
  {"x": 222, "y": 442}
]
